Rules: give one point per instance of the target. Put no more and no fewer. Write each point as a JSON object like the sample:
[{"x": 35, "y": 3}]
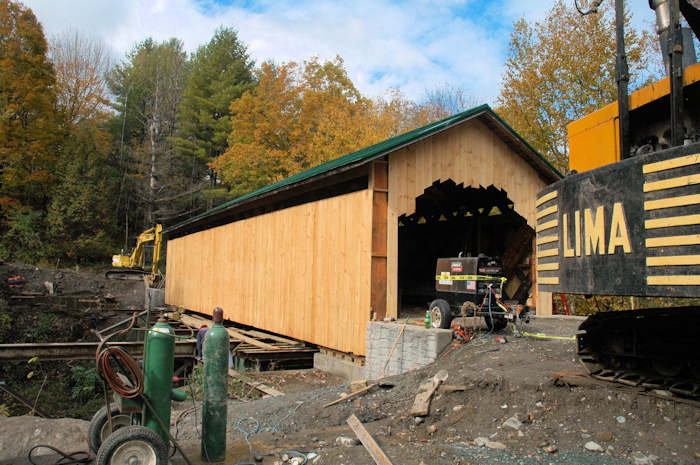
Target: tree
[
  {"x": 29, "y": 129},
  {"x": 446, "y": 100},
  {"x": 221, "y": 71},
  {"x": 563, "y": 68},
  {"x": 148, "y": 88},
  {"x": 82, "y": 227},
  {"x": 81, "y": 64},
  {"x": 296, "y": 117}
]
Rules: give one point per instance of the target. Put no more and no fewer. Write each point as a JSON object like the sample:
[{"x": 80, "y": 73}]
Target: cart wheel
[
  {"x": 440, "y": 315},
  {"x": 133, "y": 445},
  {"x": 99, "y": 426},
  {"x": 498, "y": 323}
]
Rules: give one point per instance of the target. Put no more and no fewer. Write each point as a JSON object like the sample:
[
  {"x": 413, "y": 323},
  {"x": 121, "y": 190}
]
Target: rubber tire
[
  {"x": 129, "y": 434},
  {"x": 441, "y": 307},
  {"x": 498, "y": 323},
  {"x": 99, "y": 420}
]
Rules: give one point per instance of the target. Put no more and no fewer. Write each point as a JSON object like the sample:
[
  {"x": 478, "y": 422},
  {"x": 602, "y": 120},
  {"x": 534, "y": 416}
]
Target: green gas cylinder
[
  {"x": 216, "y": 359},
  {"x": 158, "y": 376}
]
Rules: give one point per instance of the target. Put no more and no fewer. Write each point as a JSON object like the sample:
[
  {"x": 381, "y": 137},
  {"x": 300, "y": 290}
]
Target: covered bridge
[{"x": 319, "y": 254}]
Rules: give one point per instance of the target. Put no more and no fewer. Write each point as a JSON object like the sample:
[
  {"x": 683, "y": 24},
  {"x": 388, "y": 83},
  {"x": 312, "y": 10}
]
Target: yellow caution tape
[
  {"x": 468, "y": 277},
  {"x": 546, "y": 336}
]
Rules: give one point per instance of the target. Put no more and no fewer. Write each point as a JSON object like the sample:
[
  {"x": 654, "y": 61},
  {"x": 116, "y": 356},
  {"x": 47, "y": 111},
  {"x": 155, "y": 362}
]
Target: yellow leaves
[{"x": 561, "y": 69}]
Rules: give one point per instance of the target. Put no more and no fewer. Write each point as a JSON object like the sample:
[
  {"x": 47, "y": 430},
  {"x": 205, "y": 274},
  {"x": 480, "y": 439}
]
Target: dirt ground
[{"x": 501, "y": 381}]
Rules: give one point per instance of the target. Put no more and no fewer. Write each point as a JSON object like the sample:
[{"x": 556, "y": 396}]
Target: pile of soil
[{"x": 502, "y": 381}]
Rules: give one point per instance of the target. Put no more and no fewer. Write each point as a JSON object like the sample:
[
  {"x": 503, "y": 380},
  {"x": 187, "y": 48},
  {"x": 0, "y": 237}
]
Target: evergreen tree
[
  {"x": 148, "y": 87},
  {"x": 221, "y": 71}
]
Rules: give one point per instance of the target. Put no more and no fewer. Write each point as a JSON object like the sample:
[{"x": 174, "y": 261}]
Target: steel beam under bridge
[{"x": 81, "y": 350}]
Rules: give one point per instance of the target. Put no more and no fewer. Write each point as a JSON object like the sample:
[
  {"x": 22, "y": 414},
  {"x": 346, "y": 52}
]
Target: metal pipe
[{"x": 622, "y": 78}]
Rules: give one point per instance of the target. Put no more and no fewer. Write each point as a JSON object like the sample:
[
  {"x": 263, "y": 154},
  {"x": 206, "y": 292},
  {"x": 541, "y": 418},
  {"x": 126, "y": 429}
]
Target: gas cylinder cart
[
  {"x": 135, "y": 428},
  {"x": 472, "y": 286}
]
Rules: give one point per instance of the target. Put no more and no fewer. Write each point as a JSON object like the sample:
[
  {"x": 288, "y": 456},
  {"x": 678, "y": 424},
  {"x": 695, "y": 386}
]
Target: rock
[
  {"x": 432, "y": 429},
  {"x": 620, "y": 419},
  {"x": 481, "y": 441},
  {"x": 297, "y": 460},
  {"x": 495, "y": 445},
  {"x": 593, "y": 446},
  {"x": 521, "y": 434},
  {"x": 285, "y": 457},
  {"x": 418, "y": 420},
  {"x": 311, "y": 455},
  {"x": 513, "y": 423},
  {"x": 346, "y": 441},
  {"x": 457, "y": 408},
  {"x": 19, "y": 434},
  {"x": 640, "y": 459},
  {"x": 605, "y": 436},
  {"x": 550, "y": 448},
  {"x": 539, "y": 404}
]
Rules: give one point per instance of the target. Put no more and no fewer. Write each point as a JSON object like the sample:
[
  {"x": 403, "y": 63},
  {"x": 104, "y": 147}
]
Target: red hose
[{"x": 126, "y": 386}]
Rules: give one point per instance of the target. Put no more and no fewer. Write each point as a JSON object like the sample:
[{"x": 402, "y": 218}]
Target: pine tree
[{"x": 221, "y": 71}]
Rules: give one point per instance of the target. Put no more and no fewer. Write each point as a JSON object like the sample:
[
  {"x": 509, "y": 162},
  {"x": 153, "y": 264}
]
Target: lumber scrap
[
  {"x": 265, "y": 389},
  {"x": 421, "y": 404},
  {"x": 196, "y": 322},
  {"x": 350, "y": 396},
  {"x": 274, "y": 337},
  {"x": 368, "y": 441}
]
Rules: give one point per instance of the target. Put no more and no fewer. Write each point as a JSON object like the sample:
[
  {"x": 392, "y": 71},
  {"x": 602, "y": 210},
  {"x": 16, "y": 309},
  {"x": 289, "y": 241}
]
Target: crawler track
[{"x": 655, "y": 348}]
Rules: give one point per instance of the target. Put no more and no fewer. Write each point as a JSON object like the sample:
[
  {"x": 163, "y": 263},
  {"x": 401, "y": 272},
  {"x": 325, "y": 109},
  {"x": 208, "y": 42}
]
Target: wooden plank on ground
[
  {"x": 274, "y": 337},
  {"x": 196, "y": 322},
  {"x": 265, "y": 389},
  {"x": 368, "y": 441}
]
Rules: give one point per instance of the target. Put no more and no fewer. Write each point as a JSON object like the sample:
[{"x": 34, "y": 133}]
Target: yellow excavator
[{"x": 144, "y": 259}]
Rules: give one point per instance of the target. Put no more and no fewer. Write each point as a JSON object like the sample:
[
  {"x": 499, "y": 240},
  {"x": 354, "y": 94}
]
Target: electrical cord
[{"x": 71, "y": 458}]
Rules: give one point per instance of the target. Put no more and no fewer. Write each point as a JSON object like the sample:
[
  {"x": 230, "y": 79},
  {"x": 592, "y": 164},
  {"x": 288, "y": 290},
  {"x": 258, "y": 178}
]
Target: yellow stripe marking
[
  {"x": 672, "y": 221},
  {"x": 546, "y": 197},
  {"x": 546, "y": 239},
  {"x": 546, "y": 211},
  {"x": 672, "y": 202},
  {"x": 673, "y": 260},
  {"x": 547, "y": 225},
  {"x": 690, "y": 239},
  {"x": 672, "y": 163},
  {"x": 672, "y": 182},
  {"x": 548, "y": 266},
  {"x": 552, "y": 280},
  {"x": 676, "y": 280},
  {"x": 547, "y": 253}
]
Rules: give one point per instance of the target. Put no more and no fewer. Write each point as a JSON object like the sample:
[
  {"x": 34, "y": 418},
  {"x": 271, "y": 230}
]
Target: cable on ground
[{"x": 71, "y": 458}]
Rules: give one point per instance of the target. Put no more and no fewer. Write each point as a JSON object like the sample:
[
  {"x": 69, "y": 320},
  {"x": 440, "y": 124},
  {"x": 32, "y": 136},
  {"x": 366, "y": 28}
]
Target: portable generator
[{"x": 469, "y": 286}]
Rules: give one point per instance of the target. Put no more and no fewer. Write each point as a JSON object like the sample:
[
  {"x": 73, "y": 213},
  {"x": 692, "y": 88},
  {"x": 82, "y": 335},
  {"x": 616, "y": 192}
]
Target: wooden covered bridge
[{"x": 316, "y": 256}]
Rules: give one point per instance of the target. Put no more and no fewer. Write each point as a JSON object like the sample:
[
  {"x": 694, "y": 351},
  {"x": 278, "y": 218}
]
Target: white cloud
[{"x": 413, "y": 46}]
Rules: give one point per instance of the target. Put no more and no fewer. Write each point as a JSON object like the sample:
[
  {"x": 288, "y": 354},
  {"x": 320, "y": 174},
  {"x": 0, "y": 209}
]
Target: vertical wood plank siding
[
  {"x": 469, "y": 153},
  {"x": 303, "y": 272}
]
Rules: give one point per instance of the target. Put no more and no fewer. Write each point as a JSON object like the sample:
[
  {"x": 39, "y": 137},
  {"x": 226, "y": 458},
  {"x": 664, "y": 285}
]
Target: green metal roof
[{"x": 370, "y": 153}]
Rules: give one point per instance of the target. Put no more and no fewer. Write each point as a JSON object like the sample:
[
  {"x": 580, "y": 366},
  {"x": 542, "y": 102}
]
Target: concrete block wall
[{"x": 417, "y": 347}]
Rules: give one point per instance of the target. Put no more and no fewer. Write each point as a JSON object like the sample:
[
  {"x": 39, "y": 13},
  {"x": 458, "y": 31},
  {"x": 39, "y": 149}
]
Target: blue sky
[{"x": 413, "y": 45}]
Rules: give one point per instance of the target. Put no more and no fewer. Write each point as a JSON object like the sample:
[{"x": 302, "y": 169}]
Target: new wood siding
[
  {"x": 469, "y": 153},
  {"x": 303, "y": 272}
]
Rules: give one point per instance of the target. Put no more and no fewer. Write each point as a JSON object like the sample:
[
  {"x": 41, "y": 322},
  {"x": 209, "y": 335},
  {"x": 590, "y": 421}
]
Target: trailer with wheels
[{"x": 470, "y": 286}]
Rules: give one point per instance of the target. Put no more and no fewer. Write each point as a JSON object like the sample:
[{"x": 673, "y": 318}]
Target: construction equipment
[
  {"x": 469, "y": 286},
  {"x": 135, "y": 428},
  {"x": 629, "y": 225},
  {"x": 143, "y": 260}
]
